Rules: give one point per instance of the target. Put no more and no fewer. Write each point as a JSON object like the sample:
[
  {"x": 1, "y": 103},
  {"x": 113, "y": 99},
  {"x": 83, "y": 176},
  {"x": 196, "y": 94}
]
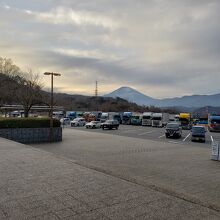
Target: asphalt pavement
[{"x": 154, "y": 133}]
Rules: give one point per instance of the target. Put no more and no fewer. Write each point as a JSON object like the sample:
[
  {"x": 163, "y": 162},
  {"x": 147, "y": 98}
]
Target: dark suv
[
  {"x": 110, "y": 124},
  {"x": 198, "y": 133},
  {"x": 173, "y": 129}
]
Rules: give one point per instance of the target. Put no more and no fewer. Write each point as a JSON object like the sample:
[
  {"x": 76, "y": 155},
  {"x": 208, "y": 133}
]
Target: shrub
[{"x": 27, "y": 123}]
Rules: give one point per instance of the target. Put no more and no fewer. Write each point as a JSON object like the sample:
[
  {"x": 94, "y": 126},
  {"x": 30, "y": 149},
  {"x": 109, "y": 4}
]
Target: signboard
[{"x": 215, "y": 151}]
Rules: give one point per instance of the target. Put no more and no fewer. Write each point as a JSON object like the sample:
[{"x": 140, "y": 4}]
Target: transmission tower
[{"x": 96, "y": 88}]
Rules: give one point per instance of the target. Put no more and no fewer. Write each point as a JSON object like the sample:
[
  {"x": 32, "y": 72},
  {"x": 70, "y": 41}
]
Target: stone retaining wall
[{"x": 31, "y": 135}]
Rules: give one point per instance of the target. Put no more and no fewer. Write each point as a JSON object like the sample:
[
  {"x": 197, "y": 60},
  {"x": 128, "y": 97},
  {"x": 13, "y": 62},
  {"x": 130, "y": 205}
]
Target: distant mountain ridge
[{"x": 139, "y": 98}]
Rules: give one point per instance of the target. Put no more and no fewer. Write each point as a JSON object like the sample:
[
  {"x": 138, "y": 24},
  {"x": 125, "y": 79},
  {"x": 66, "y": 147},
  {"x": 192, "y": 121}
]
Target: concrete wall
[{"x": 31, "y": 135}]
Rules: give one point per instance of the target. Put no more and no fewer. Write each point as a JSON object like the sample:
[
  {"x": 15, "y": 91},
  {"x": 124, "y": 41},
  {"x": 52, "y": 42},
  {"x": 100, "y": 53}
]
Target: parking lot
[{"x": 154, "y": 133}]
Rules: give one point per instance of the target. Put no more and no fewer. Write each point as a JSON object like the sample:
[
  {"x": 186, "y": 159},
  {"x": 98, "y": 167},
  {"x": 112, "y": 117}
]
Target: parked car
[
  {"x": 78, "y": 122},
  {"x": 110, "y": 124},
  {"x": 173, "y": 129},
  {"x": 65, "y": 121},
  {"x": 198, "y": 133},
  {"x": 93, "y": 124}
]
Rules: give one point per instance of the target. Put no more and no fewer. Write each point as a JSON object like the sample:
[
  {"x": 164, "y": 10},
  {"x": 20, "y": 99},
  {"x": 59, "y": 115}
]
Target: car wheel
[
  {"x": 93, "y": 127},
  {"x": 167, "y": 136}
]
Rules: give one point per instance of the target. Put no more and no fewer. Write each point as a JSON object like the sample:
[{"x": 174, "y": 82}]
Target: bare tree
[
  {"x": 9, "y": 73},
  {"x": 8, "y": 68},
  {"x": 28, "y": 91}
]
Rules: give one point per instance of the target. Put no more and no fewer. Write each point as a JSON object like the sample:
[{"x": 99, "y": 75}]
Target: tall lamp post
[{"x": 51, "y": 102}]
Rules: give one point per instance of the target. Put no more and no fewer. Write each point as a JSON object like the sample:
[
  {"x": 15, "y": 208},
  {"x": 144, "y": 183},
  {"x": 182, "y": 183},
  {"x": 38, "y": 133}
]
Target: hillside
[
  {"x": 88, "y": 103},
  {"x": 69, "y": 102}
]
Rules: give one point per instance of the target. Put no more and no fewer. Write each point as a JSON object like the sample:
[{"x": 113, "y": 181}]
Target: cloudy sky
[{"x": 161, "y": 48}]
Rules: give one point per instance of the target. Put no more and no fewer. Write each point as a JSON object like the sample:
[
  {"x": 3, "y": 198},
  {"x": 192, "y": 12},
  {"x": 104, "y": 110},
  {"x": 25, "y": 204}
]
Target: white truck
[
  {"x": 147, "y": 119},
  {"x": 160, "y": 119}
]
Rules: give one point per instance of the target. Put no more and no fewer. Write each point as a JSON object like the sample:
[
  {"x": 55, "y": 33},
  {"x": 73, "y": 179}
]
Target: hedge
[{"x": 27, "y": 123}]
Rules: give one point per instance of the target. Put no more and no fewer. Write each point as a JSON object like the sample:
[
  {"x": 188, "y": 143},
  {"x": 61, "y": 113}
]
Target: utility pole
[
  {"x": 96, "y": 88},
  {"x": 51, "y": 102}
]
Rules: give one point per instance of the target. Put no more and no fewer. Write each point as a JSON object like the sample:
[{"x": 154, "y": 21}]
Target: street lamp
[{"x": 51, "y": 102}]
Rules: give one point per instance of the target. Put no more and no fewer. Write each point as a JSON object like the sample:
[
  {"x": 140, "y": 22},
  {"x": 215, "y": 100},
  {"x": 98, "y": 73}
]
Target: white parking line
[
  {"x": 148, "y": 132},
  {"x": 162, "y": 136},
  {"x": 186, "y": 137},
  {"x": 211, "y": 138}
]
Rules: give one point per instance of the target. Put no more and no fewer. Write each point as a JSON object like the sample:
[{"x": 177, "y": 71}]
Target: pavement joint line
[
  {"x": 162, "y": 136},
  {"x": 148, "y": 132},
  {"x": 186, "y": 137}
]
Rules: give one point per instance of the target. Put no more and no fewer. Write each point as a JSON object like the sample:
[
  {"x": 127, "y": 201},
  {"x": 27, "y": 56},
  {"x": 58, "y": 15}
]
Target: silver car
[
  {"x": 78, "y": 122},
  {"x": 93, "y": 124}
]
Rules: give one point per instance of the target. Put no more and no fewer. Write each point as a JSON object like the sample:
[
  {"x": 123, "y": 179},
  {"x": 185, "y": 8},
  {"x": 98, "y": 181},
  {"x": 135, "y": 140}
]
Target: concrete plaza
[{"x": 99, "y": 176}]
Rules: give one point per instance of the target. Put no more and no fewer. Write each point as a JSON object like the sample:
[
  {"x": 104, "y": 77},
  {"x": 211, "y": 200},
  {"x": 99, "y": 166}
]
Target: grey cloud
[{"x": 163, "y": 44}]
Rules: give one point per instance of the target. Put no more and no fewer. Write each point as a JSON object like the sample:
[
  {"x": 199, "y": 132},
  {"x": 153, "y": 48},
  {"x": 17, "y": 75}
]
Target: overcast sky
[{"x": 161, "y": 48}]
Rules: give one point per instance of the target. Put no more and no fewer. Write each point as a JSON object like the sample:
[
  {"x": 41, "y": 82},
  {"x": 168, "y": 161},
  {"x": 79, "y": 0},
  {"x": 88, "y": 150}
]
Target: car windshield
[
  {"x": 173, "y": 125},
  {"x": 94, "y": 122},
  {"x": 126, "y": 116},
  {"x": 109, "y": 121},
  {"x": 198, "y": 129},
  {"x": 146, "y": 117},
  {"x": 184, "y": 119},
  {"x": 136, "y": 117},
  {"x": 117, "y": 116},
  {"x": 157, "y": 118}
]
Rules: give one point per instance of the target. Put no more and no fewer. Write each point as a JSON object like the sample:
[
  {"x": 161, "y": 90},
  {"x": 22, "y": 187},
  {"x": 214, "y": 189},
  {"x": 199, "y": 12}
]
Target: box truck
[{"x": 160, "y": 119}]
